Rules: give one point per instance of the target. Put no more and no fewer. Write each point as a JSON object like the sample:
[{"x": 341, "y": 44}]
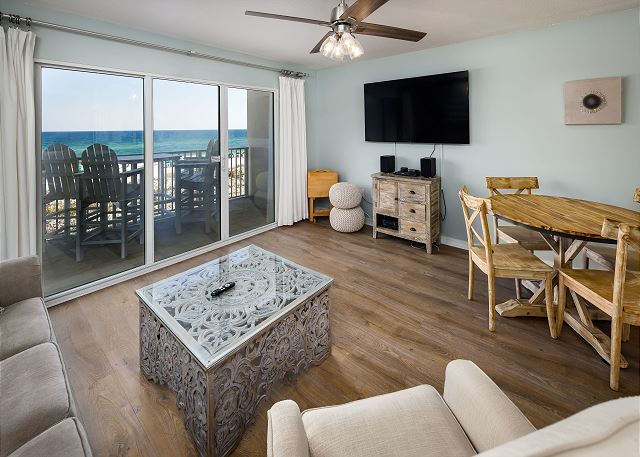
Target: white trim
[
  {"x": 149, "y": 220},
  {"x": 223, "y": 182},
  {"x": 456, "y": 243},
  {"x": 37, "y": 70},
  {"x": 85, "y": 289},
  {"x": 118, "y": 71}
]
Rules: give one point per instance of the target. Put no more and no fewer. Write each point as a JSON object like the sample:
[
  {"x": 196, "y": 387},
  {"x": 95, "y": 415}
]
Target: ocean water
[{"x": 132, "y": 142}]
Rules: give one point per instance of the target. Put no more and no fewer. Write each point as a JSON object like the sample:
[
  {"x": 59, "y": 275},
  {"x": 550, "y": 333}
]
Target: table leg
[{"x": 579, "y": 317}]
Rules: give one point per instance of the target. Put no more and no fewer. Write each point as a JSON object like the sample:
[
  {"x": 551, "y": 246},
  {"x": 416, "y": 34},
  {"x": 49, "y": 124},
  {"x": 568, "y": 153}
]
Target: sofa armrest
[
  {"x": 20, "y": 279},
  {"x": 486, "y": 414},
  {"x": 285, "y": 435}
]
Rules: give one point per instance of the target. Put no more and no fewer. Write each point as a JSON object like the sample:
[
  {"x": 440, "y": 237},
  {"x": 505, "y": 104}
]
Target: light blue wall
[
  {"x": 74, "y": 48},
  {"x": 516, "y": 97}
]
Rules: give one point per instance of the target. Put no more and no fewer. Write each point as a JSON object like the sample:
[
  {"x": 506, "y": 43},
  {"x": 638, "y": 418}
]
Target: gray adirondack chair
[
  {"x": 197, "y": 188},
  {"x": 110, "y": 201},
  {"x": 59, "y": 172}
]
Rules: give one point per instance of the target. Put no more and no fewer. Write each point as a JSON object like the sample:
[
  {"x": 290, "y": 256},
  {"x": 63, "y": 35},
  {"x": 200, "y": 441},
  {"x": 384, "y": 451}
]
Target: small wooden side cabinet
[
  {"x": 407, "y": 207},
  {"x": 318, "y": 184}
]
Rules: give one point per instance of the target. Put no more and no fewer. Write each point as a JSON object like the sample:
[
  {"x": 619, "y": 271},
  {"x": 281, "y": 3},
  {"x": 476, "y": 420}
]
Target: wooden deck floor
[
  {"x": 398, "y": 317},
  {"x": 62, "y": 272}
]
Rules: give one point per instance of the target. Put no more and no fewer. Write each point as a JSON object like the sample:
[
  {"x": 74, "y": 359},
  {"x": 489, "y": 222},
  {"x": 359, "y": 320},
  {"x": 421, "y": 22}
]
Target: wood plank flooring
[{"x": 398, "y": 317}]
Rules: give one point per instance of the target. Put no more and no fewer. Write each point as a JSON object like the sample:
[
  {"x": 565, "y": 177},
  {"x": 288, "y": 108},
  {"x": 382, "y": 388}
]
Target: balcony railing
[{"x": 59, "y": 215}]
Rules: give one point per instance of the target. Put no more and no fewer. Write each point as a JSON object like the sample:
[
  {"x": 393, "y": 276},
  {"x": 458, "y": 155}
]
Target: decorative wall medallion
[{"x": 593, "y": 101}]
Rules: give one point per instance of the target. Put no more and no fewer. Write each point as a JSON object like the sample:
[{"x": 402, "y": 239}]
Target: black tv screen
[{"x": 428, "y": 109}]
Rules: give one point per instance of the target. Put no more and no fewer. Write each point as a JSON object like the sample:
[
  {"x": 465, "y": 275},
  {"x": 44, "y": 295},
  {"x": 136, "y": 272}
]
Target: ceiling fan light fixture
[
  {"x": 351, "y": 45},
  {"x": 338, "y": 52},
  {"x": 330, "y": 44}
]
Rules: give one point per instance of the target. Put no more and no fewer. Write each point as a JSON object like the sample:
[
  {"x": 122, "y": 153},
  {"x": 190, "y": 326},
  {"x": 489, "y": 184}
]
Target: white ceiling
[{"x": 222, "y": 24}]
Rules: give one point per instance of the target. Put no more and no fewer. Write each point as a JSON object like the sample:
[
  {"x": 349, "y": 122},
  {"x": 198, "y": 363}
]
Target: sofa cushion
[
  {"x": 23, "y": 325},
  {"x": 20, "y": 279},
  {"x": 414, "y": 422},
  {"x": 34, "y": 395},
  {"x": 65, "y": 439},
  {"x": 607, "y": 429}
]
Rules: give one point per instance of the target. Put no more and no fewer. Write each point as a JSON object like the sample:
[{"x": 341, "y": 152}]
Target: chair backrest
[
  {"x": 210, "y": 173},
  {"x": 517, "y": 184},
  {"x": 59, "y": 166},
  {"x": 474, "y": 208},
  {"x": 626, "y": 235},
  {"x": 101, "y": 174}
]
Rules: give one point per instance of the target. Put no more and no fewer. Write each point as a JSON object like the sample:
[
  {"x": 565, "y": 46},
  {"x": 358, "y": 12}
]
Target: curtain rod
[{"x": 28, "y": 22}]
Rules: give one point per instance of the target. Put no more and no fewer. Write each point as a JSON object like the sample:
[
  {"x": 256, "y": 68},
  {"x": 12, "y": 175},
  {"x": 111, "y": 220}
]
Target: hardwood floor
[{"x": 398, "y": 317}]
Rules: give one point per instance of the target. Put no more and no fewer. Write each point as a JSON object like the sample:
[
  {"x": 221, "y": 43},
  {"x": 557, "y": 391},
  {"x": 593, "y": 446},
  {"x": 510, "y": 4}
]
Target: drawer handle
[
  {"x": 412, "y": 210},
  {"x": 412, "y": 229},
  {"x": 412, "y": 192}
]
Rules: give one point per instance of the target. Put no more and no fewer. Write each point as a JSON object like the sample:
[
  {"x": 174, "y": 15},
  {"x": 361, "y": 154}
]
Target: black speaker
[
  {"x": 428, "y": 167},
  {"x": 387, "y": 164}
]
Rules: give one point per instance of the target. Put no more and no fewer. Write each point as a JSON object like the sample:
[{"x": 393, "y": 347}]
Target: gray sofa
[{"x": 37, "y": 412}]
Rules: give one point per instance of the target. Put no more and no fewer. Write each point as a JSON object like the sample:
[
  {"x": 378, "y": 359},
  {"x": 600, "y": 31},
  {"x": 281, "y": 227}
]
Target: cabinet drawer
[
  {"x": 413, "y": 229},
  {"x": 413, "y": 211},
  {"x": 412, "y": 192}
]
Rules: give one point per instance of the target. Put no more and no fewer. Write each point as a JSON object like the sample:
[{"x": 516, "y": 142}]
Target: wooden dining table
[{"x": 566, "y": 225}]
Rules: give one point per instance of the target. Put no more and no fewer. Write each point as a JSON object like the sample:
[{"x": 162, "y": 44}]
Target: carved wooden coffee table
[{"x": 223, "y": 355}]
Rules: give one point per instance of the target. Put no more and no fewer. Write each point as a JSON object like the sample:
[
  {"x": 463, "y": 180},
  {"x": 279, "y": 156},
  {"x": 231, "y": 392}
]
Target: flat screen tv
[{"x": 427, "y": 109}]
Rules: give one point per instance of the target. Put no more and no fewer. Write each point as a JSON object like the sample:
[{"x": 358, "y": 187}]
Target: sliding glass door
[
  {"x": 250, "y": 159},
  {"x": 112, "y": 202},
  {"x": 186, "y": 166},
  {"x": 92, "y": 195}
]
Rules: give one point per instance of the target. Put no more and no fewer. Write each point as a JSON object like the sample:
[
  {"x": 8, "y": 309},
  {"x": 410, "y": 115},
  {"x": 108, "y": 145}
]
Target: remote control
[{"x": 226, "y": 286}]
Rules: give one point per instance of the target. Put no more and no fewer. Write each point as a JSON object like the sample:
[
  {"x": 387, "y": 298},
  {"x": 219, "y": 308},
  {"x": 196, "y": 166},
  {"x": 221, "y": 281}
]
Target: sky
[{"x": 83, "y": 101}]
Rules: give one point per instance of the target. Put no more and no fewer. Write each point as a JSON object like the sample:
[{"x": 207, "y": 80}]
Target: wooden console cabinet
[{"x": 413, "y": 202}]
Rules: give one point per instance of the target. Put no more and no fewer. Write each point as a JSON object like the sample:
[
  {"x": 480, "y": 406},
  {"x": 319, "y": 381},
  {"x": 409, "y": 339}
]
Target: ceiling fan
[{"x": 346, "y": 21}]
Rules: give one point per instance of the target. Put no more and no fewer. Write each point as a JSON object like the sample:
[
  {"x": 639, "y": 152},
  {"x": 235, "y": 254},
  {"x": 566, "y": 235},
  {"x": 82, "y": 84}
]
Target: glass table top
[{"x": 267, "y": 286}]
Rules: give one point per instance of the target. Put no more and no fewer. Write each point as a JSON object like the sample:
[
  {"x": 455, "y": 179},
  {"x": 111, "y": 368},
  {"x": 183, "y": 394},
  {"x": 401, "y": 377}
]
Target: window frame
[{"x": 149, "y": 263}]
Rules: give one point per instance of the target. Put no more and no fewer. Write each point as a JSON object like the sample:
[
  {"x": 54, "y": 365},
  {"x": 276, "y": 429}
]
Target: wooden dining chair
[
  {"x": 508, "y": 260},
  {"x": 605, "y": 255},
  {"x": 527, "y": 238},
  {"x": 616, "y": 293}
]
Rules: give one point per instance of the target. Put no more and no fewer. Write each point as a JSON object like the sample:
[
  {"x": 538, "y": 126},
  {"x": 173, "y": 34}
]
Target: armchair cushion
[
  {"x": 414, "y": 422},
  {"x": 23, "y": 325},
  {"x": 19, "y": 279},
  {"x": 65, "y": 439},
  {"x": 611, "y": 428},
  {"x": 34, "y": 395},
  {"x": 486, "y": 414}
]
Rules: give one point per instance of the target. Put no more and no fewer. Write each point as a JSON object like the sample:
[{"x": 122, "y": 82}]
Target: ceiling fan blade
[
  {"x": 287, "y": 18},
  {"x": 316, "y": 48},
  {"x": 362, "y": 8},
  {"x": 365, "y": 28}
]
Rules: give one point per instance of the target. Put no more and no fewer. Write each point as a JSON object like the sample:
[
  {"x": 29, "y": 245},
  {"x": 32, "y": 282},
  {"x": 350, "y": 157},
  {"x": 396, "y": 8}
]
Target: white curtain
[
  {"x": 18, "y": 206},
  {"x": 292, "y": 161}
]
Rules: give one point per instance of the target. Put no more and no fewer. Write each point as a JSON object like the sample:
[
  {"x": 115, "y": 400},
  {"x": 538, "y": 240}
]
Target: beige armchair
[{"x": 473, "y": 417}]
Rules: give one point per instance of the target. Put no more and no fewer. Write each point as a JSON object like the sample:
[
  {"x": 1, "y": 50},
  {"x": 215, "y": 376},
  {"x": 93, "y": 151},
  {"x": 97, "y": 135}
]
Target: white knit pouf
[
  {"x": 346, "y": 220},
  {"x": 345, "y": 195}
]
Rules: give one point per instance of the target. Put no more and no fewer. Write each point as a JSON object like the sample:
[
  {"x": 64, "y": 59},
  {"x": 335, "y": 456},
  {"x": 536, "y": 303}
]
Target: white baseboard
[{"x": 456, "y": 243}]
